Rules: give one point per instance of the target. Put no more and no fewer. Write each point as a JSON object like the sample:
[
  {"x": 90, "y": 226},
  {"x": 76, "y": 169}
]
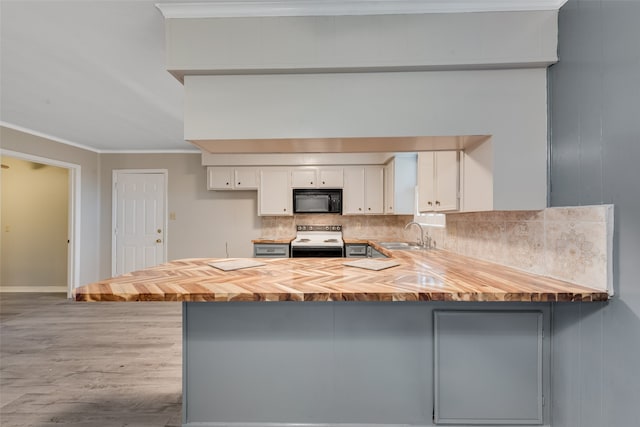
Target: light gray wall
[
  {"x": 88, "y": 161},
  {"x": 214, "y": 224},
  {"x": 595, "y": 142},
  {"x": 34, "y": 226},
  {"x": 381, "y": 42},
  {"x": 510, "y": 105}
]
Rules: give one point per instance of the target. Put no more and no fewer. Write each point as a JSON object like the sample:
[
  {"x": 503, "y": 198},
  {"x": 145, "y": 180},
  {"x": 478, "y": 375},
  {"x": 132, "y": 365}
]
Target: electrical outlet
[{"x": 172, "y": 216}]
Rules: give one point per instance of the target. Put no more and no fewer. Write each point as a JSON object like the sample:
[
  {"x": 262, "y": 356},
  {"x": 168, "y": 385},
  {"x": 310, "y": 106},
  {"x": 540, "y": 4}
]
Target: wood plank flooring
[{"x": 64, "y": 363}]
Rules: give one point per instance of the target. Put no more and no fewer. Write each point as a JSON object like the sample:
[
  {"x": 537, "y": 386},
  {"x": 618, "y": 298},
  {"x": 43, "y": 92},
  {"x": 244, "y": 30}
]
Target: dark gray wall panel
[
  {"x": 488, "y": 367},
  {"x": 595, "y": 158},
  {"x": 320, "y": 363}
]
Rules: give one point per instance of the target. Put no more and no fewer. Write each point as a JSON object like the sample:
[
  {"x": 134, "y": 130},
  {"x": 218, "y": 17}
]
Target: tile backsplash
[
  {"x": 569, "y": 243},
  {"x": 375, "y": 227}
]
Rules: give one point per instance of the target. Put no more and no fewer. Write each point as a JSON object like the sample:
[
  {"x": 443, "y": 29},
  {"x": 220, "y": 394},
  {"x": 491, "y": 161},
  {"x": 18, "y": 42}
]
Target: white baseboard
[
  {"x": 39, "y": 289},
  {"x": 254, "y": 424}
]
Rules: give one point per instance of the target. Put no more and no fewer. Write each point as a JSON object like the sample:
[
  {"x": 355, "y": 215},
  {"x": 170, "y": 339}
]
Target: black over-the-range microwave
[{"x": 317, "y": 200}]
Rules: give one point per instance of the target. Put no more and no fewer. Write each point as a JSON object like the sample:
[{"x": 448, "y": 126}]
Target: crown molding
[
  {"x": 47, "y": 136},
  {"x": 95, "y": 150},
  {"x": 258, "y": 8}
]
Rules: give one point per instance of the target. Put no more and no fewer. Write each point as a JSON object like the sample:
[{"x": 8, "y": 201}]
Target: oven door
[{"x": 317, "y": 251}]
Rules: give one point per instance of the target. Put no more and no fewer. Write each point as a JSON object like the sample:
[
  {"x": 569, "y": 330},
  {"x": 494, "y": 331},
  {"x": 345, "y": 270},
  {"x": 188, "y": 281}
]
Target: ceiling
[{"x": 92, "y": 73}]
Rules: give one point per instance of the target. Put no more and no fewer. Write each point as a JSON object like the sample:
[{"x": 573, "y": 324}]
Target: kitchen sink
[{"x": 402, "y": 246}]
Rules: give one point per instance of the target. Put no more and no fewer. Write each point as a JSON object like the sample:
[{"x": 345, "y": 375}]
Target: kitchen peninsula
[
  {"x": 388, "y": 348},
  {"x": 430, "y": 275}
]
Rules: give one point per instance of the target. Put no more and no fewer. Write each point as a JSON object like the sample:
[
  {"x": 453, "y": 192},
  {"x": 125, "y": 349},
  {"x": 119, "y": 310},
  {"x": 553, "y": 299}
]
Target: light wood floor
[{"x": 65, "y": 363}]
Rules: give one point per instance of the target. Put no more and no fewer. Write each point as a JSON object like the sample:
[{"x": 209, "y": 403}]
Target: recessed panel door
[{"x": 139, "y": 221}]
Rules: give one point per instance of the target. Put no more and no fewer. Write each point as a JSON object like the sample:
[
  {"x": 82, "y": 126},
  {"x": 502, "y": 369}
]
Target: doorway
[
  {"x": 139, "y": 219},
  {"x": 40, "y": 224}
]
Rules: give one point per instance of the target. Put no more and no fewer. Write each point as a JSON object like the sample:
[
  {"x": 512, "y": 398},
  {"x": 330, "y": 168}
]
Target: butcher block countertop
[
  {"x": 427, "y": 275},
  {"x": 269, "y": 240}
]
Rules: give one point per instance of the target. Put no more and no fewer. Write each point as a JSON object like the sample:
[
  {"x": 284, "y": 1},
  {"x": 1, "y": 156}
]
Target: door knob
[{"x": 159, "y": 241}]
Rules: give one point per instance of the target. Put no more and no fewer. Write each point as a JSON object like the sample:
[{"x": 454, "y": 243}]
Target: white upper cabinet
[
  {"x": 317, "y": 177},
  {"x": 438, "y": 181},
  {"x": 246, "y": 178},
  {"x": 399, "y": 185},
  {"x": 331, "y": 177},
  {"x": 363, "y": 190},
  {"x": 353, "y": 194},
  {"x": 389, "y": 191},
  {"x": 232, "y": 178},
  {"x": 374, "y": 189},
  {"x": 304, "y": 178},
  {"x": 274, "y": 192},
  {"x": 219, "y": 178}
]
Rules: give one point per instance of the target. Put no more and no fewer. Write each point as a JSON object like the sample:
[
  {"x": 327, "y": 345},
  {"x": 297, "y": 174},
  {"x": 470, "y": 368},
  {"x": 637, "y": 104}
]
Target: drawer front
[
  {"x": 270, "y": 251},
  {"x": 355, "y": 251}
]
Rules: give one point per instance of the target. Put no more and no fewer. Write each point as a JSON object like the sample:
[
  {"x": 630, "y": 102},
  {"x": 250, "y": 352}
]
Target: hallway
[{"x": 89, "y": 364}]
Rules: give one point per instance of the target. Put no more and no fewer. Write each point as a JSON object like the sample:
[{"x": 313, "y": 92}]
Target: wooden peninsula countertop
[{"x": 426, "y": 275}]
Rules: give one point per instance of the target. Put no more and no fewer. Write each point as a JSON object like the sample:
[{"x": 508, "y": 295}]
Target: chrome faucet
[{"x": 422, "y": 245}]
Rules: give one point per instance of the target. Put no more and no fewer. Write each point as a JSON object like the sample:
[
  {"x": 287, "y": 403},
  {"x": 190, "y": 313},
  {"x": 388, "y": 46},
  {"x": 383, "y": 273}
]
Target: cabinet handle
[
  {"x": 429, "y": 203},
  {"x": 323, "y": 182},
  {"x": 359, "y": 209},
  {"x": 437, "y": 203},
  {"x": 227, "y": 183},
  {"x": 238, "y": 183},
  {"x": 311, "y": 182},
  {"x": 158, "y": 241},
  {"x": 369, "y": 208},
  {"x": 285, "y": 209}
]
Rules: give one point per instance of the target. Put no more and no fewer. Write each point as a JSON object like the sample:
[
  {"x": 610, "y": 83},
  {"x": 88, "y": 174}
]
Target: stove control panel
[{"x": 319, "y": 228}]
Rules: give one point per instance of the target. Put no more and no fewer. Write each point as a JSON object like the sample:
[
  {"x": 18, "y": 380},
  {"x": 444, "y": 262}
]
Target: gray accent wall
[{"x": 595, "y": 153}]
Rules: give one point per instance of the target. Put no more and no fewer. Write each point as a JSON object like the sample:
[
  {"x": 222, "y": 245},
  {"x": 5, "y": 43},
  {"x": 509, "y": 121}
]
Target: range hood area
[{"x": 358, "y": 83}]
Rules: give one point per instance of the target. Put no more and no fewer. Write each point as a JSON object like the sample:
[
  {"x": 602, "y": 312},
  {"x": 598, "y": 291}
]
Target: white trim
[
  {"x": 257, "y": 8},
  {"x": 95, "y": 150},
  {"x": 114, "y": 175},
  {"x": 167, "y": 151},
  {"x": 272, "y": 424},
  {"x": 47, "y": 136},
  {"x": 75, "y": 218},
  {"x": 39, "y": 289}
]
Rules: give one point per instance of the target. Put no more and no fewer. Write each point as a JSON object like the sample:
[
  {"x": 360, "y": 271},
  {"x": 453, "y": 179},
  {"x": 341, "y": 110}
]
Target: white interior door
[{"x": 139, "y": 220}]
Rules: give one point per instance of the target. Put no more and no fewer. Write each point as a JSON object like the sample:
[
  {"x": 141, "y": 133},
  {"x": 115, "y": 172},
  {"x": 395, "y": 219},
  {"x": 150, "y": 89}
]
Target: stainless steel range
[{"x": 318, "y": 241}]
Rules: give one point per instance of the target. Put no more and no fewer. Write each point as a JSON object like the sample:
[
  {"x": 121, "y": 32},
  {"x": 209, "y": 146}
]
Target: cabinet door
[
  {"x": 426, "y": 175},
  {"x": 374, "y": 189},
  {"x": 330, "y": 178},
  {"x": 304, "y": 178},
  {"x": 389, "y": 187},
  {"x": 219, "y": 178},
  {"x": 274, "y": 192},
  {"x": 353, "y": 193},
  {"x": 447, "y": 175},
  {"x": 246, "y": 178}
]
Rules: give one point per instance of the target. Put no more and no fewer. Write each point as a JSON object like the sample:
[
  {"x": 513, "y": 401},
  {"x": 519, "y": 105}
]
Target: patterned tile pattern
[
  {"x": 381, "y": 227},
  {"x": 568, "y": 243}
]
